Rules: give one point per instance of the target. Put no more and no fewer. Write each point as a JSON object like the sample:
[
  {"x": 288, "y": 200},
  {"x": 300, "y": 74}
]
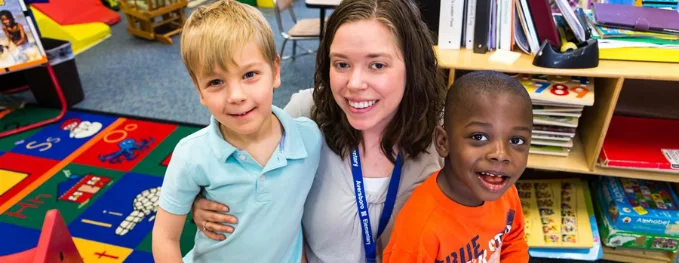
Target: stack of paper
[{"x": 557, "y": 106}]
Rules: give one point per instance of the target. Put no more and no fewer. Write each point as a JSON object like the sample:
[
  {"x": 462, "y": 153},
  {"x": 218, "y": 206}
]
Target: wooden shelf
[
  {"x": 647, "y": 175},
  {"x": 637, "y": 255},
  {"x": 466, "y": 59}
]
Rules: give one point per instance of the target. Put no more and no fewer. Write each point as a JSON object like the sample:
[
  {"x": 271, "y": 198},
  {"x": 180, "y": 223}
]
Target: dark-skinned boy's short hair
[{"x": 482, "y": 82}]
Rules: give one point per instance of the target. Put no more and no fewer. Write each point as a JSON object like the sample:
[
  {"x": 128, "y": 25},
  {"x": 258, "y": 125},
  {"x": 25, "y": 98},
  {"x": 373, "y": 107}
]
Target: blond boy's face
[{"x": 240, "y": 98}]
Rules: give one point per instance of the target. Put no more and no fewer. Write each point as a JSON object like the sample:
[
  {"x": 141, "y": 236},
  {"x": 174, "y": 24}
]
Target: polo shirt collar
[{"x": 291, "y": 147}]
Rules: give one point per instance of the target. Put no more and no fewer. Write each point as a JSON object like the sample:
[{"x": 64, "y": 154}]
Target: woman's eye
[
  {"x": 214, "y": 82},
  {"x": 377, "y": 66},
  {"x": 517, "y": 141},
  {"x": 341, "y": 65},
  {"x": 250, "y": 74},
  {"x": 479, "y": 137}
]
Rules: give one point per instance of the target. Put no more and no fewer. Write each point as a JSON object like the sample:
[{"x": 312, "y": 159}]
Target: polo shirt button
[
  {"x": 261, "y": 177},
  {"x": 241, "y": 157}
]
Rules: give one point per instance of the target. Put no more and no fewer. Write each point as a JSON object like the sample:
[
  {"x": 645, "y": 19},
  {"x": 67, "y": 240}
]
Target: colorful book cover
[
  {"x": 19, "y": 44},
  {"x": 555, "y": 213},
  {"x": 558, "y": 90},
  {"x": 641, "y": 143},
  {"x": 589, "y": 254}
]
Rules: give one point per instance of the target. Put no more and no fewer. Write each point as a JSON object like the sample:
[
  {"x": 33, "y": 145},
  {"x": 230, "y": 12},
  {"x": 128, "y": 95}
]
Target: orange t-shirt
[{"x": 433, "y": 228}]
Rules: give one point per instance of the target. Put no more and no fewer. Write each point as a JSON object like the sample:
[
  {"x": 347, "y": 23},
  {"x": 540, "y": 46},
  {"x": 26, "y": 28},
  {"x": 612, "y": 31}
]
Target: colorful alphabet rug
[{"x": 102, "y": 172}]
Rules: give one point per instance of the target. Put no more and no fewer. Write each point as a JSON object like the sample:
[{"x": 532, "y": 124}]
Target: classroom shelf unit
[{"x": 608, "y": 82}]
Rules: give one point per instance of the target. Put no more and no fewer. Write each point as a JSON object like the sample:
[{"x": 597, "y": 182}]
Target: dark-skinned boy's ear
[{"x": 441, "y": 141}]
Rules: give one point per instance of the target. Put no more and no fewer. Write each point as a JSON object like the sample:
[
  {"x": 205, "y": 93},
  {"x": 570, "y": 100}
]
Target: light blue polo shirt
[{"x": 268, "y": 201}]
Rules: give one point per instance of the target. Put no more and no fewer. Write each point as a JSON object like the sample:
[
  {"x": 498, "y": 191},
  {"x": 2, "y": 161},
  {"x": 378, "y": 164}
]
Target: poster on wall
[{"x": 19, "y": 43}]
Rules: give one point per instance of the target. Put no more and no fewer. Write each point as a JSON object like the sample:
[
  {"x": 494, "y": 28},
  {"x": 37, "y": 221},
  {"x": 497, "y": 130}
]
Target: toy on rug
[{"x": 55, "y": 244}]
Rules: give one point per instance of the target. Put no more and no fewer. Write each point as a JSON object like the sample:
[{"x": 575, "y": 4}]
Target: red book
[{"x": 642, "y": 143}]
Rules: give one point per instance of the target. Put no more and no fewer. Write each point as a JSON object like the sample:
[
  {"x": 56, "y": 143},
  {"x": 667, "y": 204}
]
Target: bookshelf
[{"x": 608, "y": 77}]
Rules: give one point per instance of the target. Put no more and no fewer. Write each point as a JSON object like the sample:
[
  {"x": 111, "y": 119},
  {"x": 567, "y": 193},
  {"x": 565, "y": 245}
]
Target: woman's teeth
[{"x": 361, "y": 104}]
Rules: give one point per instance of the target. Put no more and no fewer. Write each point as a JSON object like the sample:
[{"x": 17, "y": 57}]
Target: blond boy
[{"x": 252, "y": 157}]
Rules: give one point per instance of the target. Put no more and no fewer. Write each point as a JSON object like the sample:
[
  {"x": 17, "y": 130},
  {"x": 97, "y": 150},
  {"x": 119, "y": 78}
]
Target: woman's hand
[{"x": 210, "y": 218}]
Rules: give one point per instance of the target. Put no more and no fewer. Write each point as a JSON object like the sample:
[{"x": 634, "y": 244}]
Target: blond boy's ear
[
  {"x": 441, "y": 141},
  {"x": 277, "y": 72}
]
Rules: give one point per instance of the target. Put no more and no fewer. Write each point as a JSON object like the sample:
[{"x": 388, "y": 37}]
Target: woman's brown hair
[{"x": 412, "y": 128}]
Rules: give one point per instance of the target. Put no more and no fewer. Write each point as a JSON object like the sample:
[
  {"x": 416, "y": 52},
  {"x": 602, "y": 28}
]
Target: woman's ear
[{"x": 441, "y": 141}]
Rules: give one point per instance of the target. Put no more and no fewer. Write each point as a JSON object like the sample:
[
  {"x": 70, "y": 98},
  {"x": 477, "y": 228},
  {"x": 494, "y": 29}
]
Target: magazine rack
[
  {"x": 43, "y": 62},
  {"x": 594, "y": 123}
]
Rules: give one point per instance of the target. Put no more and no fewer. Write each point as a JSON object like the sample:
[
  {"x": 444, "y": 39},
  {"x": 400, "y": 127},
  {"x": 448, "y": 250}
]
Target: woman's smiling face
[{"x": 367, "y": 73}]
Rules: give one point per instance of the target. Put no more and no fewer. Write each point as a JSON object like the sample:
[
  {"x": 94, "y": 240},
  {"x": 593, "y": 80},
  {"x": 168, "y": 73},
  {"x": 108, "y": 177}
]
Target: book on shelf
[
  {"x": 641, "y": 144},
  {"x": 558, "y": 102},
  {"x": 20, "y": 46}
]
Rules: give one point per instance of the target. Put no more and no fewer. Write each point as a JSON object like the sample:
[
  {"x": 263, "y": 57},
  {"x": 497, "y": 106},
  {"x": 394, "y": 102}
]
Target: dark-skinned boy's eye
[
  {"x": 517, "y": 141},
  {"x": 479, "y": 137}
]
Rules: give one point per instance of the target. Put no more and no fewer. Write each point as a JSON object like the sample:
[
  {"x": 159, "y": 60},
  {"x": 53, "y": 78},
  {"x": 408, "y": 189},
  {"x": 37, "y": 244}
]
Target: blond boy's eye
[
  {"x": 215, "y": 82},
  {"x": 248, "y": 75}
]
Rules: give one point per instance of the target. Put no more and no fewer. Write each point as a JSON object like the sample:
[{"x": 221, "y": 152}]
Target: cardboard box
[
  {"x": 629, "y": 239},
  {"x": 648, "y": 207}
]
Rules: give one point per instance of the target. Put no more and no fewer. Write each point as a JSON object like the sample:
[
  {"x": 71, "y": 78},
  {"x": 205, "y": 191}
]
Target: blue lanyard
[{"x": 362, "y": 204}]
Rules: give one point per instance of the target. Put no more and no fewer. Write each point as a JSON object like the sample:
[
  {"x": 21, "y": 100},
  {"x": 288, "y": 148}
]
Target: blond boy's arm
[{"x": 166, "y": 233}]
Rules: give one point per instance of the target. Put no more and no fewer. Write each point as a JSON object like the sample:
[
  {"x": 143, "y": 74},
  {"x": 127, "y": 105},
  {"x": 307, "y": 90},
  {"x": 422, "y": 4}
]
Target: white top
[
  {"x": 332, "y": 230},
  {"x": 376, "y": 186}
]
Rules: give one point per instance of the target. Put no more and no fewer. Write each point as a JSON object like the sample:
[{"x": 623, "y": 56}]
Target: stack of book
[
  {"x": 614, "y": 27},
  {"x": 557, "y": 106}
]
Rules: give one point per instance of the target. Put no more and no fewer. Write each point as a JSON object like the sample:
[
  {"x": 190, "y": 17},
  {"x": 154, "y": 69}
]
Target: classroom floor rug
[{"x": 103, "y": 173}]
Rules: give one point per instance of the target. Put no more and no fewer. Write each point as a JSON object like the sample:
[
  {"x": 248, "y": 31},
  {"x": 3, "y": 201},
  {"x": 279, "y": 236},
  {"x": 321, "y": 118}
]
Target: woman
[{"x": 378, "y": 96}]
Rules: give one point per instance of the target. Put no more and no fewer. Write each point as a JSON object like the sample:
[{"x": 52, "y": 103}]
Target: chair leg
[
  {"x": 294, "y": 49},
  {"x": 283, "y": 49}
]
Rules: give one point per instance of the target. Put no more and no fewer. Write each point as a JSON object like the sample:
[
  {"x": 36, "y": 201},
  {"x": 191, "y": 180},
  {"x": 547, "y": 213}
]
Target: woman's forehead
[{"x": 364, "y": 38}]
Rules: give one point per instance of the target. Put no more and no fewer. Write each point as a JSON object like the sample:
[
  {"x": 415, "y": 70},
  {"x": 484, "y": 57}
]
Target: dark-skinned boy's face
[{"x": 486, "y": 145}]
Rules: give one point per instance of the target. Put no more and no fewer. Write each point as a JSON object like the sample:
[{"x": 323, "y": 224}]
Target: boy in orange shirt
[{"x": 470, "y": 211}]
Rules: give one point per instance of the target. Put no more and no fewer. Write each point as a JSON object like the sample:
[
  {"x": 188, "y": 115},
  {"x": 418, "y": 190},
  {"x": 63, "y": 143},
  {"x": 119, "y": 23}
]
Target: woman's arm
[
  {"x": 167, "y": 230},
  {"x": 300, "y": 104},
  {"x": 209, "y": 216},
  {"x": 9, "y": 40},
  {"x": 23, "y": 35}
]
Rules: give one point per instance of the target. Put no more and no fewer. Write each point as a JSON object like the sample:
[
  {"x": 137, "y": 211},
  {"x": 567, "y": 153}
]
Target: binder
[
  {"x": 482, "y": 26},
  {"x": 544, "y": 22}
]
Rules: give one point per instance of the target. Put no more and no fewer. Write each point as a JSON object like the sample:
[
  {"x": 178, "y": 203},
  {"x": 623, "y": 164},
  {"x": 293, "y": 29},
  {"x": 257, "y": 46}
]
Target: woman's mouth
[
  {"x": 361, "y": 106},
  {"x": 493, "y": 181}
]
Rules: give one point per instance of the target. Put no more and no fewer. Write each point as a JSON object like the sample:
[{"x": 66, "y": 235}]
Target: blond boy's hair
[{"x": 214, "y": 34}]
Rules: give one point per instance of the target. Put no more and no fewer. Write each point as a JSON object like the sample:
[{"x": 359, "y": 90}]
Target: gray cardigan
[{"x": 332, "y": 230}]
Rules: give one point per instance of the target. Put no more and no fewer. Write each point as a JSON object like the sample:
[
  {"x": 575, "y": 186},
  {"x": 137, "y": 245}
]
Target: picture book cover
[
  {"x": 555, "y": 213},
  {"x": 561, "y": 121},
  {"x": 558, "y": 90},
  {"x": 590, "y": 254},
  {"x": 553, "y": 130},
  {"x": 19, "y": 43},
  {"x": 641, "y": 143},
  {"x": 537, "y": 136}
]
